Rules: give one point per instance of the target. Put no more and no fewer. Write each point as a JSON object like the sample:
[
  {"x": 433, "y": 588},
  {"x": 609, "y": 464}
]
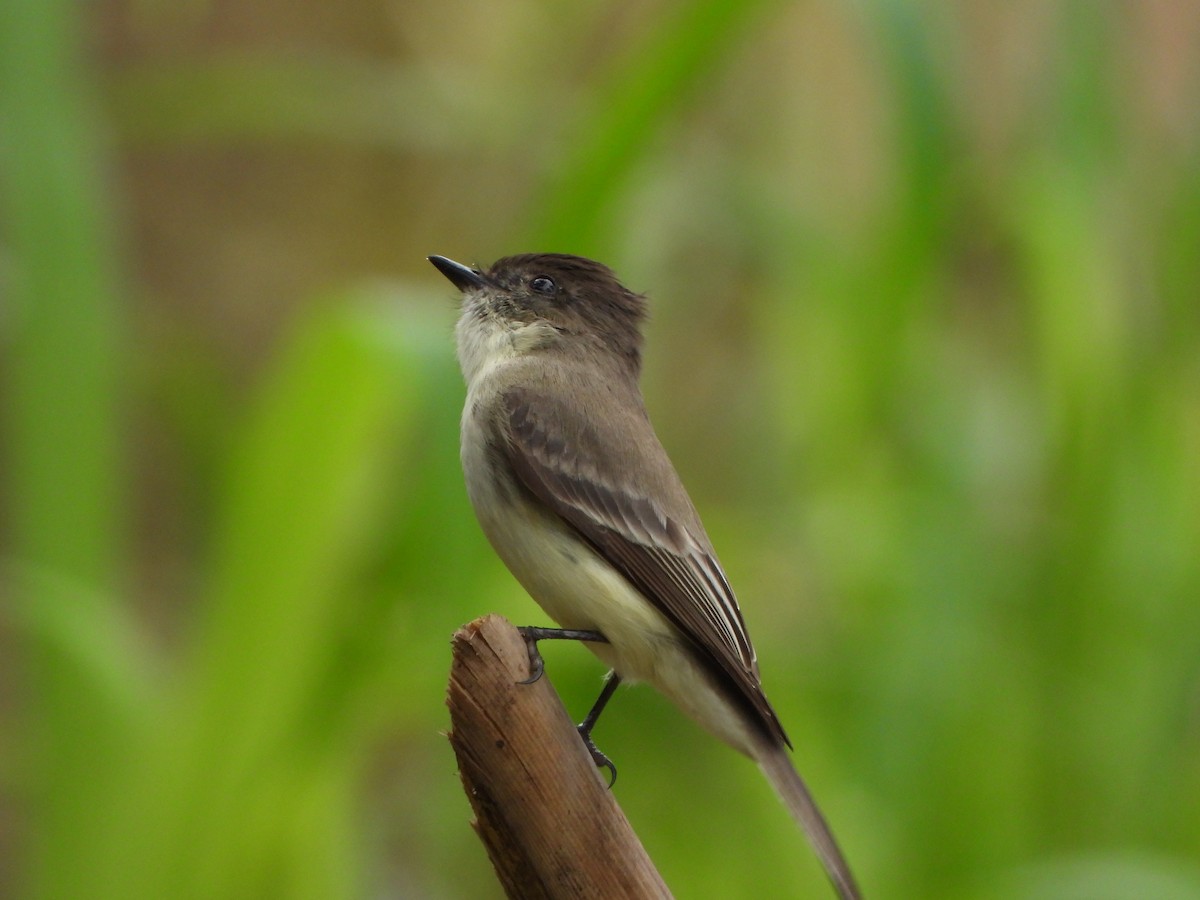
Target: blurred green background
[{"x": 925, "y": 346}]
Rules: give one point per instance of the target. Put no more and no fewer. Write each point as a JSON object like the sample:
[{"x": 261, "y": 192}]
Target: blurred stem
[
  {"x": 63, "y": 301},
  {"x": 625, "y": 111},
  {"x": 62, "y": 386}
]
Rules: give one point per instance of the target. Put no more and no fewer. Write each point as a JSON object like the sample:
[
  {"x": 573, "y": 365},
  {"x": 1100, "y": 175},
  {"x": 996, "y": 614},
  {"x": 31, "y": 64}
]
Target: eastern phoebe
[{"x": 579, "y": 499}]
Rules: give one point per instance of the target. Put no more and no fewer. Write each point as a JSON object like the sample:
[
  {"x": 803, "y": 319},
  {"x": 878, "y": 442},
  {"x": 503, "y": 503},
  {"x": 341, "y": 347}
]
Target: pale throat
[{"x": 486, "y": 341}]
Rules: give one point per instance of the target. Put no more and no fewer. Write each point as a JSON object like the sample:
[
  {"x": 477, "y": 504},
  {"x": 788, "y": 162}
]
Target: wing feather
[{"x": 673, "y": 566}]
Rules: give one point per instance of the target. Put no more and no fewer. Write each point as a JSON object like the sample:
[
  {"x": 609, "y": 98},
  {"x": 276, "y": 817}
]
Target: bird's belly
[
  {"x": 579, "y": 590},
  {"x": 576, "y": 587}
]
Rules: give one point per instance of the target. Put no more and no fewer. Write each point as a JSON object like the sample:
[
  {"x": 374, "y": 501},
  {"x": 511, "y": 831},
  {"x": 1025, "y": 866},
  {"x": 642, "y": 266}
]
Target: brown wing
[{"x": 554, "y": 454}]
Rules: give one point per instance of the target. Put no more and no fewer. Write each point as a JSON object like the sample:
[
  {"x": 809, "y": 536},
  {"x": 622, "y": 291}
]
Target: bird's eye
[{"x": 544, "y": 285}]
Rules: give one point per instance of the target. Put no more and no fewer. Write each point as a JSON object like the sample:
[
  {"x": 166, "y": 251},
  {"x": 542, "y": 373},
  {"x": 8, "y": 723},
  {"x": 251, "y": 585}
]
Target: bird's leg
[
  {"x": 533, "y": 634},
  {"x": 585, "y": 727}
]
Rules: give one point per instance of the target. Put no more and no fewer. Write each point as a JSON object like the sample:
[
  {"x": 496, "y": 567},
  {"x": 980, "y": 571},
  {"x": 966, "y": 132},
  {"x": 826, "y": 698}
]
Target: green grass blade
[
  {"x": 661, "y": 74},
  {"x": 240, "y": 763},
  {"x": 63, "y": 388}
]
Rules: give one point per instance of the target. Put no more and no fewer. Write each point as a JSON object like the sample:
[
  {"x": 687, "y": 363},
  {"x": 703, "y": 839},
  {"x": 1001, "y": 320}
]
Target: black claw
[
  {"x": 537, "y": 665},
  {"x": 598, "y": 756}
]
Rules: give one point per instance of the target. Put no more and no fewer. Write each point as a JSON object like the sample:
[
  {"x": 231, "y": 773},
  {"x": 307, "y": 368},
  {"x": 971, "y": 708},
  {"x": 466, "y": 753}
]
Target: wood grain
[{"x": 543, "y": 810}]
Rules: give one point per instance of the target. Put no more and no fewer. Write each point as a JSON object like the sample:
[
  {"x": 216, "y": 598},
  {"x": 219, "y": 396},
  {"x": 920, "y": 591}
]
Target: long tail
[{"x": 776, "y": 763}]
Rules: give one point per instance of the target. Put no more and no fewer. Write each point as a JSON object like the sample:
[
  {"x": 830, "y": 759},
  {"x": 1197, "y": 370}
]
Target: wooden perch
[{"x": 543, "y": 810}]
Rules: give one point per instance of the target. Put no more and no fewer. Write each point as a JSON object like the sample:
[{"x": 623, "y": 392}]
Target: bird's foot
[
  {"x": 533, "y": 634},
  {"x": 598, "y": 756}
]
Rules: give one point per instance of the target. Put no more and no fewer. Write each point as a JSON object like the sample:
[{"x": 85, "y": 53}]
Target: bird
[{"x": 579, "y": 499}]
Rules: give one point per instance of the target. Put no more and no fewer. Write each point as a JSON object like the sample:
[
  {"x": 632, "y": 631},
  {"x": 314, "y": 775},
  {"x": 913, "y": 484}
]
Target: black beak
[{"x": 462, "y": 277}]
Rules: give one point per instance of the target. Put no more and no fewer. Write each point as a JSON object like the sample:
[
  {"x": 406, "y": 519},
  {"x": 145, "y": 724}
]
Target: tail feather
[{"x": 776, "y": 764}]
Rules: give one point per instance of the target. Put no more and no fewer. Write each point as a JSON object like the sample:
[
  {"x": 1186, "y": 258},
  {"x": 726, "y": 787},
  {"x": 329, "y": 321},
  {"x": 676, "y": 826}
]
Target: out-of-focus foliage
[{"x": 925, "y": 347}]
